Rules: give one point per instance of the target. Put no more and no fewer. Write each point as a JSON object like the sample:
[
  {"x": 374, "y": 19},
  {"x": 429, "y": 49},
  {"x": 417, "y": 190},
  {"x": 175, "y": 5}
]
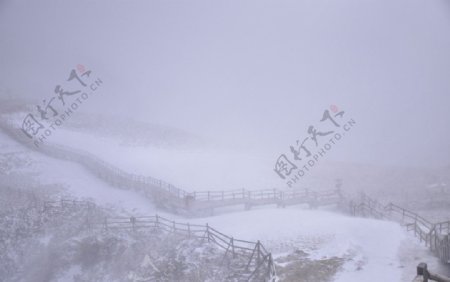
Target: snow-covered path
[
  {"x": 191, "y": 169},
  {"x": 74, "y": 179},
  {"x": 373, "y": 250}
]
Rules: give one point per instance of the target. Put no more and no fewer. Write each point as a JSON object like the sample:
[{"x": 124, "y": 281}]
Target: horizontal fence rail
[
  {"x": 259, "y": 260},
  {"x": 169, "y": 197},
  {"x": 434, "y": 235},
  {"x": 166, "y": 195}
]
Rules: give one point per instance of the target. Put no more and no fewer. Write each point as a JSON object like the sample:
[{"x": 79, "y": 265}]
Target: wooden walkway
[
  {"x": 202, "y": 203},
  {"x": 173, "y": 199}
]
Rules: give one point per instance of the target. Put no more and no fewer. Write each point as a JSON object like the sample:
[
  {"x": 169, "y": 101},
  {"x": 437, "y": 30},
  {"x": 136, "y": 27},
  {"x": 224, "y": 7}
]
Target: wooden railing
[
  {"x": 235, "y": 195},
  {"x": 48, "y": 205},
  {"x": 421, "y": 227},
  {"x": 435, "y": 235},
  {"x": 257, "y": 255},
  {"x": 259, "y": 260},
  {"x": 166, "y": 195}
]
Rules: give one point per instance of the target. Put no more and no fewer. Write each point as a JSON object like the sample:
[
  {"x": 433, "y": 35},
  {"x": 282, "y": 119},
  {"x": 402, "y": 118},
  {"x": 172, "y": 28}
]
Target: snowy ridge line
[
  {"x": 435, "y": 235},
  {"x": 260, "y": 261},
  {"x": 171, "y": 198}
]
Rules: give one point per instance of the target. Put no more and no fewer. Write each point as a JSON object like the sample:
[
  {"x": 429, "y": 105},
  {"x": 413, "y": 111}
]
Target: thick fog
[
  {"x": 221, "y": 140},
  {"x": 252, "y": 74}
]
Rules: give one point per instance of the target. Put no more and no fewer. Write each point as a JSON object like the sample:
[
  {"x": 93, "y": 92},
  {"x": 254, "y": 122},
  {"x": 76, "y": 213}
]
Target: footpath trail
[{"x": 203, "y": 203}]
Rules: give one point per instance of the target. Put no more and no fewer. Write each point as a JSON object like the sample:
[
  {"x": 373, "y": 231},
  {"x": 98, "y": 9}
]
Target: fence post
[
  {"x": 258, "y": 246},
  {"x": 174, "y": 227},
  {"x": 416, "y": 229},
  {"x": 207, "y": 232},
  {"x": 157, "y": 222},
  {"x": 270, "y": 267},
  {"x": 435, "y": 240},
  {"x": 232, "y": 247},
  {"x": 431, "y": 237},
  {"x": 422, "y": 269},
  {"x": 133, "y": 223}
]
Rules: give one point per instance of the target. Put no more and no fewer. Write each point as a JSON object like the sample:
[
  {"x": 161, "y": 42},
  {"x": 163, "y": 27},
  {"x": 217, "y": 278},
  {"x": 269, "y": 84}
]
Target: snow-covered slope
[
  {"x": 190, "y": 167},
  {"x": 181, "y": 161},
  {"x": 35, "y": 169},
  {"x": 372, "y": 250},
  {"x": 364, "y": 249}
]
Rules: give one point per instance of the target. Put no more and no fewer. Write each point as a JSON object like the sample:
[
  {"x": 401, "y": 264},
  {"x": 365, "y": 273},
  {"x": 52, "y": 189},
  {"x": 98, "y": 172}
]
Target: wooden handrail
[
  {"x": 253, "y": 250},
  {"x": 435, "y": 235}
]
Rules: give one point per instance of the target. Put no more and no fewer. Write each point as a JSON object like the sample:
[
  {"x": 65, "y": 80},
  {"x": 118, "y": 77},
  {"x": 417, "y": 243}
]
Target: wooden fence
[
  {"x": 169, "y": 197},
  {"x": 259, "y": 261},
  {"x": 434, "y": 235},
  {"x": 174, "y": 199}
]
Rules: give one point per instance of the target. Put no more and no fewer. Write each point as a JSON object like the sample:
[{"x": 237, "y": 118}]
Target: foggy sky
[{"x": 254, "y": 74}]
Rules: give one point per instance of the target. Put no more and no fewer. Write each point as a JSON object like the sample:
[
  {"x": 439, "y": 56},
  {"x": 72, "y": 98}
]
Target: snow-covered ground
[
  {"x": 194, "y": 165},
  {"x": 72, "y": 179},
  {"x": 190, "y": 168},
  {"x": 252, "y": 78},
  {"x": 371, "y": 250}
]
